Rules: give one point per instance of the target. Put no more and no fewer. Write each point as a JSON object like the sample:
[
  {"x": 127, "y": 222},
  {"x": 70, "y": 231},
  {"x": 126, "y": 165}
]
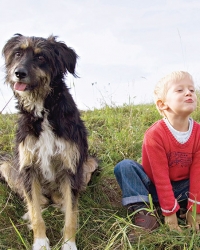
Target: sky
[{"x": 124, "y": 47}]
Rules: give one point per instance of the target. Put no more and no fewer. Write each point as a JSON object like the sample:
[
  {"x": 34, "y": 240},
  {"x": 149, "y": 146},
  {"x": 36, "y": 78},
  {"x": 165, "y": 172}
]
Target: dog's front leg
[
  {"x": 33, "y": 194},
  {"x": 71, "y": 213}
]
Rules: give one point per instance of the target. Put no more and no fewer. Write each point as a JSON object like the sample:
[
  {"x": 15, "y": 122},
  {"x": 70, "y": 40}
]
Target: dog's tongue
[{"x": 19, "y": 86}]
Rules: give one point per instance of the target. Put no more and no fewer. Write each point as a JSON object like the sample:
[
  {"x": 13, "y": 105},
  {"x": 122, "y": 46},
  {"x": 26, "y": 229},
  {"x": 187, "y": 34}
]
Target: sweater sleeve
[
  {"x": 194, "y": 190},
  {"x": 155, "y": 163}
]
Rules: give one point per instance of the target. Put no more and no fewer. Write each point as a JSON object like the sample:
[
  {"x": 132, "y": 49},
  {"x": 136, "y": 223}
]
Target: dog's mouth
[{"x": 20, "y": 86}]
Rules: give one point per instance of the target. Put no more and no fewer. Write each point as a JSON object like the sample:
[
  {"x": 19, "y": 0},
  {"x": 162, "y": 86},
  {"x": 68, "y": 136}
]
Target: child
[{"x": 170, "y": 169}]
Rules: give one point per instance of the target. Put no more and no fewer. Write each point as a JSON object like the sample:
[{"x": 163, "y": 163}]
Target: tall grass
[{"x": 115, "y": 133}]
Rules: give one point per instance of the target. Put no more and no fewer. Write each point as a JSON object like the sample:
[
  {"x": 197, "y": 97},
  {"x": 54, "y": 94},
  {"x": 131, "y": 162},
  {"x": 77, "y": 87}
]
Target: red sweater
[{"x": 165, "y": 159}]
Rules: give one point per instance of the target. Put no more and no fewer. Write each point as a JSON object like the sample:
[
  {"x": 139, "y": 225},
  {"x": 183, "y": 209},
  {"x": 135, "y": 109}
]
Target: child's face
[{"x": 181, "y": 98}]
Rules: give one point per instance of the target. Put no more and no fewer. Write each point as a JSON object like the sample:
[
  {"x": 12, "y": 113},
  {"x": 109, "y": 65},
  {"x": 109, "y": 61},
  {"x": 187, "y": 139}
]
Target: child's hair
[{"x": 161, "y": 87}]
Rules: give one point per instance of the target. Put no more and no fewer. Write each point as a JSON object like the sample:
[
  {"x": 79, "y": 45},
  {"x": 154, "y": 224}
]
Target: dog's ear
[
  {"x": 8, "y": 47},
  {"x": 66, "y": 56}
]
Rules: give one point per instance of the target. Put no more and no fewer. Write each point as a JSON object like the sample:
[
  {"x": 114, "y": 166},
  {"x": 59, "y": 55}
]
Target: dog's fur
[{"x": 51, "y": 157}]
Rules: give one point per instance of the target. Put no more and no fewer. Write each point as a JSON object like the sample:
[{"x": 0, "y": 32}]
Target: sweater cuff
[
  {"x": 172, "y": 211},
  {"x": 192, "y": 203}
]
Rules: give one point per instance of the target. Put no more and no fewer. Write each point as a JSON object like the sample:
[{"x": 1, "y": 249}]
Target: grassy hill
[{"x": 115, "y": 133}]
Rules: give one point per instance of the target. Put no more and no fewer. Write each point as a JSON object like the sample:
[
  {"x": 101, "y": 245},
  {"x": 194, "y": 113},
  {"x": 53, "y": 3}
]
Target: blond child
[{"x": 170, "y": 169}]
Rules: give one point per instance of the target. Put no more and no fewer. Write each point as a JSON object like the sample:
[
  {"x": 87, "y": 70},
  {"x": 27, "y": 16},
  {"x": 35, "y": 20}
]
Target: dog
[{"x": 51, "y": 159}]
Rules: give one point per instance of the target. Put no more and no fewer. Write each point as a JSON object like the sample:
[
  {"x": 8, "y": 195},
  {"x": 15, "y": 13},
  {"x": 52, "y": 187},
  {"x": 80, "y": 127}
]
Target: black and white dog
[{"x": 51, "y": 158}]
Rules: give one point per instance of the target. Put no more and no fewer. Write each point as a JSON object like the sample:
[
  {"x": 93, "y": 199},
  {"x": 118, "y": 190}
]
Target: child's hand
[
  {"x": 192, "y": 221},
  {"x": 172, "y": 222}
]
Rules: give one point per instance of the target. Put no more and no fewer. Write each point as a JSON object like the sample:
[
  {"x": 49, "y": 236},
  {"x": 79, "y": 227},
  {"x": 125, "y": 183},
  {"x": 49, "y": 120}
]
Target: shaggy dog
[{"x": 51, "y": 160}]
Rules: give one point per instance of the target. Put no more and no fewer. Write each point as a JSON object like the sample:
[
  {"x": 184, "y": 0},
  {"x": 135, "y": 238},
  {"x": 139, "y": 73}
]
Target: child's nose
[{"x": 188, "y": 92}]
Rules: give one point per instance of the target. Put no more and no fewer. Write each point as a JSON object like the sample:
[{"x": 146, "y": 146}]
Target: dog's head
[{"x": 33, "y": 63}]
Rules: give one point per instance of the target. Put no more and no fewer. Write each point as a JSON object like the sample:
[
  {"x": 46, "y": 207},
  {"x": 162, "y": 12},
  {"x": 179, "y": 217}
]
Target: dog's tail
[
  {"x": 9, "y": 174},
  {"x": 4, "y": 167},
  {"x": 89, "y": 167}
]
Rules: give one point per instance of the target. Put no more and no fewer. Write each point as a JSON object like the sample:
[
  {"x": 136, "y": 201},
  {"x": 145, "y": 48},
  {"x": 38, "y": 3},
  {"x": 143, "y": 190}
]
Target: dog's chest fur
[{"x": 48, "y": 152}]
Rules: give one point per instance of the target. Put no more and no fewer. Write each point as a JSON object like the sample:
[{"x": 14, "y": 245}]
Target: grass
[{"x": 115, "y": 133}]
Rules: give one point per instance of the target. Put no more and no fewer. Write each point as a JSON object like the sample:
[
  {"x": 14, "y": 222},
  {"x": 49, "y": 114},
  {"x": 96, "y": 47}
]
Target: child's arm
[
  {"x": 155, "y": 155},
  {"x": 194, "y": 194},
  {"x": 172, "y": 222}
]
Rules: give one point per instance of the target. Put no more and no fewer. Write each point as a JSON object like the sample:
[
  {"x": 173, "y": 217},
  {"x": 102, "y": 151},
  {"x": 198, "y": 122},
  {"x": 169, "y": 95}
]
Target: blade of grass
[{"x": 18, "y": 233}]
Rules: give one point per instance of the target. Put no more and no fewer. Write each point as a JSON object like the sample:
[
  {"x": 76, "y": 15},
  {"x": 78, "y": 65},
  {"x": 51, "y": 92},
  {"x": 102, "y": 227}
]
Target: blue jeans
[{"x": 136, "y": 185}]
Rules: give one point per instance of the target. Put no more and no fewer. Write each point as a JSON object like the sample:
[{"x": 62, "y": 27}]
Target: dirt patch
[{"x": 111, "y": 188}]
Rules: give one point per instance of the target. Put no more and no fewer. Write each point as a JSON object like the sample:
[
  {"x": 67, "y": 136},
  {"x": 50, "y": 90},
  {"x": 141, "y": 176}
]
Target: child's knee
[{"x": 122, "y": 166}]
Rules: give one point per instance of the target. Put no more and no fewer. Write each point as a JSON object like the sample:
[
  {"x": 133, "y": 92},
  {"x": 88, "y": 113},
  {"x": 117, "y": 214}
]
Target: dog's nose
[{"x": 21, "y": 73}]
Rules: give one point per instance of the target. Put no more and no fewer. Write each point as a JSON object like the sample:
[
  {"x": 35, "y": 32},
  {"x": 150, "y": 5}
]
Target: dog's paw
[
  {"x": 41, "y": 244},
  {"x": 26, "y": 216},
  {"x": 69, "y": 245}
]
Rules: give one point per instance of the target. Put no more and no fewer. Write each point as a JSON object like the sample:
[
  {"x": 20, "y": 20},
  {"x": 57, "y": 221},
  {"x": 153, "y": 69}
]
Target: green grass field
[{"x": 115, "y": 133}]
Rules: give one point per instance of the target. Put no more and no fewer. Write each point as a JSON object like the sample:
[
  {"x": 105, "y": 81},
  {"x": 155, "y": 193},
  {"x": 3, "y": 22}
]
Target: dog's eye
[
  {"x": 41, "y": 58},
  {"x": 17, "y": 54}
]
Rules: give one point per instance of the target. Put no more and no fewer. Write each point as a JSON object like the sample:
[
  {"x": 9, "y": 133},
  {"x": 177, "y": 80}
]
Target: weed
[{"x": 115, "y": 133}]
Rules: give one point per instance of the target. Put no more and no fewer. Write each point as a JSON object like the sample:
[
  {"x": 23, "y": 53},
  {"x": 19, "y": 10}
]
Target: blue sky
[{"x": 124, "y": 47}]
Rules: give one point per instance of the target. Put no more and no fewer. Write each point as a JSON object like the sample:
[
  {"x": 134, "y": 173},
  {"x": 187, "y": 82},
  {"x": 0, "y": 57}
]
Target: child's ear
[{"x": 161, "y": 105}]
